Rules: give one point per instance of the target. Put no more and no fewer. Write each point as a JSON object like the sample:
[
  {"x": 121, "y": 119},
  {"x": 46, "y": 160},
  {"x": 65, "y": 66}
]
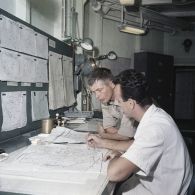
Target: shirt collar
[{"x": 148, "y": 113}]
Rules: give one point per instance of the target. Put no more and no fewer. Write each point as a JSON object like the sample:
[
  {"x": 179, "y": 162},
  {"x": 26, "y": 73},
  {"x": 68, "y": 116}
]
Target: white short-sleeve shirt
[
  {"x": 113, "y": 117},
  {"x": 161, "y": 154}
]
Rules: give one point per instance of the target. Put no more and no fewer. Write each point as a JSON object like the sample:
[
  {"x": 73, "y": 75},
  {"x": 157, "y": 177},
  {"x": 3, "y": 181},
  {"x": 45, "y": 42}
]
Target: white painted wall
[
  {"x": 122, "y": 43},
  {"x": 19, "y": 8},
  {"x": 173, "y": 45},
  {"x": 93, "y": 27},
  {"x": 80, "y": 10},
  {"x": 8, "y": 5},
  {"x": 45, "y": 15},
  {"x": 153, "y": 42},
  {"x": 22, "y": 10}
]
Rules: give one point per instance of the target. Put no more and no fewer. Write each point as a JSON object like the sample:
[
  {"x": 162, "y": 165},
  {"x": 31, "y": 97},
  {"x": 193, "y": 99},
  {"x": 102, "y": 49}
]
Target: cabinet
[
  {"x": 159, "y": 72},
  {"x": 185, "y": 93}
]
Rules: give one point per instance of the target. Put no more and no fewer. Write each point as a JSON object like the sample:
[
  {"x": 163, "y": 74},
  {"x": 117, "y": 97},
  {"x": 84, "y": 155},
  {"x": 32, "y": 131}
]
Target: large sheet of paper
[
  {"x": 27, "y": 68},
  {"x": 41, "y": 46},
  {"x": 41, "y": 71},
  {"x": 39, "y": 105},
  {"x": 14, "y": 110},
  {"x": 68, "y": 80},
  {"x": 54, "y": 169},
  {"x": 56, "y": 84},
  {"x": 9, "y": 65},
  {"x": 9, "y": 34},
  {"x": 27, "y": 40},
  {"x": 54, "y": 161}
]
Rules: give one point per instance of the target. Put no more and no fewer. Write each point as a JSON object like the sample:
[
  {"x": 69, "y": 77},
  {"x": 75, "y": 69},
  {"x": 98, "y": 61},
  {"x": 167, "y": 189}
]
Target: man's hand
[
  {"x": 94, "y": 141},
  {"x": 106, "y": 133},
  {"x": 111, "y": 154}
]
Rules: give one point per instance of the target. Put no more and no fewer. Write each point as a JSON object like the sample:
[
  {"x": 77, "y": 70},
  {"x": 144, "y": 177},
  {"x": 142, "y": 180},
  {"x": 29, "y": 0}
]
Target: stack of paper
[{"x": 66, "y": 135}]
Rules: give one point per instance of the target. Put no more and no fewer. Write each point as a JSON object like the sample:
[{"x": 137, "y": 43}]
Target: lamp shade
[
  {"x": 112, "y": 55},
  {"x": 87, "y": 44},
  {"x": 132, "y": 29}
]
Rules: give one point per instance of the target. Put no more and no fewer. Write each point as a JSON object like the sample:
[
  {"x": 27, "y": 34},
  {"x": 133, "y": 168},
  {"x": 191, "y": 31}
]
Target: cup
[{"x": 47, "y": 125}]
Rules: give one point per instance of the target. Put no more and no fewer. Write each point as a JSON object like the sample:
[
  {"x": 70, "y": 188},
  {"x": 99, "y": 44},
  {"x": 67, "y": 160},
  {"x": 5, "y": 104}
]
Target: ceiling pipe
[
  {"x": 116, "y": 19},
  {"x": 68, "y": 18},
  {"x": 167, "y": 21},
  {"x": 63, "y": 23}
]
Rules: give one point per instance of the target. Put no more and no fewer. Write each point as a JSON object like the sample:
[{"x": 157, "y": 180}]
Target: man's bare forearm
[
  {"x": 112, "y": 133},
  {"x": 111, "y": 130},
  {"x": 121, "y": 145},
  {"x": 120, "y": 169},
  {"x": 114, "y": 136}
]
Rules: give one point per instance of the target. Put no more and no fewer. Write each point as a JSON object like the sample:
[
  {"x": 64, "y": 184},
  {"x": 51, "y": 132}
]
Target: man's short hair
[
  {"x": 102, "y": 74},
  {"x": 133, "y": 85}
]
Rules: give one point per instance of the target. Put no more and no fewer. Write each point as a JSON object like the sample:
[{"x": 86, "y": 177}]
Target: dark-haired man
[
  {"x": 117, "y": 128},
  {"x": 157, "y": 157}
]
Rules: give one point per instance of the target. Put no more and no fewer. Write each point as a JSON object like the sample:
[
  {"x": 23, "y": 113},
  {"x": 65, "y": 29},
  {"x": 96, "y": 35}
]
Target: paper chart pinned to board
[{"x": 14, "y": 110}]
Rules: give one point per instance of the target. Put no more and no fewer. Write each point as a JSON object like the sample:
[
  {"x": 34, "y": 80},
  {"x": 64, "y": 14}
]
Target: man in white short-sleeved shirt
[
  {"x": 157, "y": 157},
  {"x": 117, "y": 129}
]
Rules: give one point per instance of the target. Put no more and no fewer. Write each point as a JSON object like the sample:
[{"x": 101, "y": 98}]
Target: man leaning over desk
[
  {"x": 117, "y": 129},
  {"x": 157, "y": 159}
]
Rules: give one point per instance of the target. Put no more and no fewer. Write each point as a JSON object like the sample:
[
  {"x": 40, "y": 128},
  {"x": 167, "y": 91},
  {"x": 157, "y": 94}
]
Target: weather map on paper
[{"x": 68, "y": 157}]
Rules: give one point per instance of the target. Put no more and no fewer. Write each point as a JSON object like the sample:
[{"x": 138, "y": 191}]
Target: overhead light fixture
[
  {"x": 127, "y": 2},
  {"x": 87, "y": 44},
  {"x": 132, "y": 29}
]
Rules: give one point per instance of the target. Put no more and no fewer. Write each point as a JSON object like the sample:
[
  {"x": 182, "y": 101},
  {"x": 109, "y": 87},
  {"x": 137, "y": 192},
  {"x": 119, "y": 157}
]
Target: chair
[{"x": 191, "y": 189}]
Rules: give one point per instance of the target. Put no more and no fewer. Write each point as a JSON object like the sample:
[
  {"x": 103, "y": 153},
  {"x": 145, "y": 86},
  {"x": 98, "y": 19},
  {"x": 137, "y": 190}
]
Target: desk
[{"x": 48, "y": 181}]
